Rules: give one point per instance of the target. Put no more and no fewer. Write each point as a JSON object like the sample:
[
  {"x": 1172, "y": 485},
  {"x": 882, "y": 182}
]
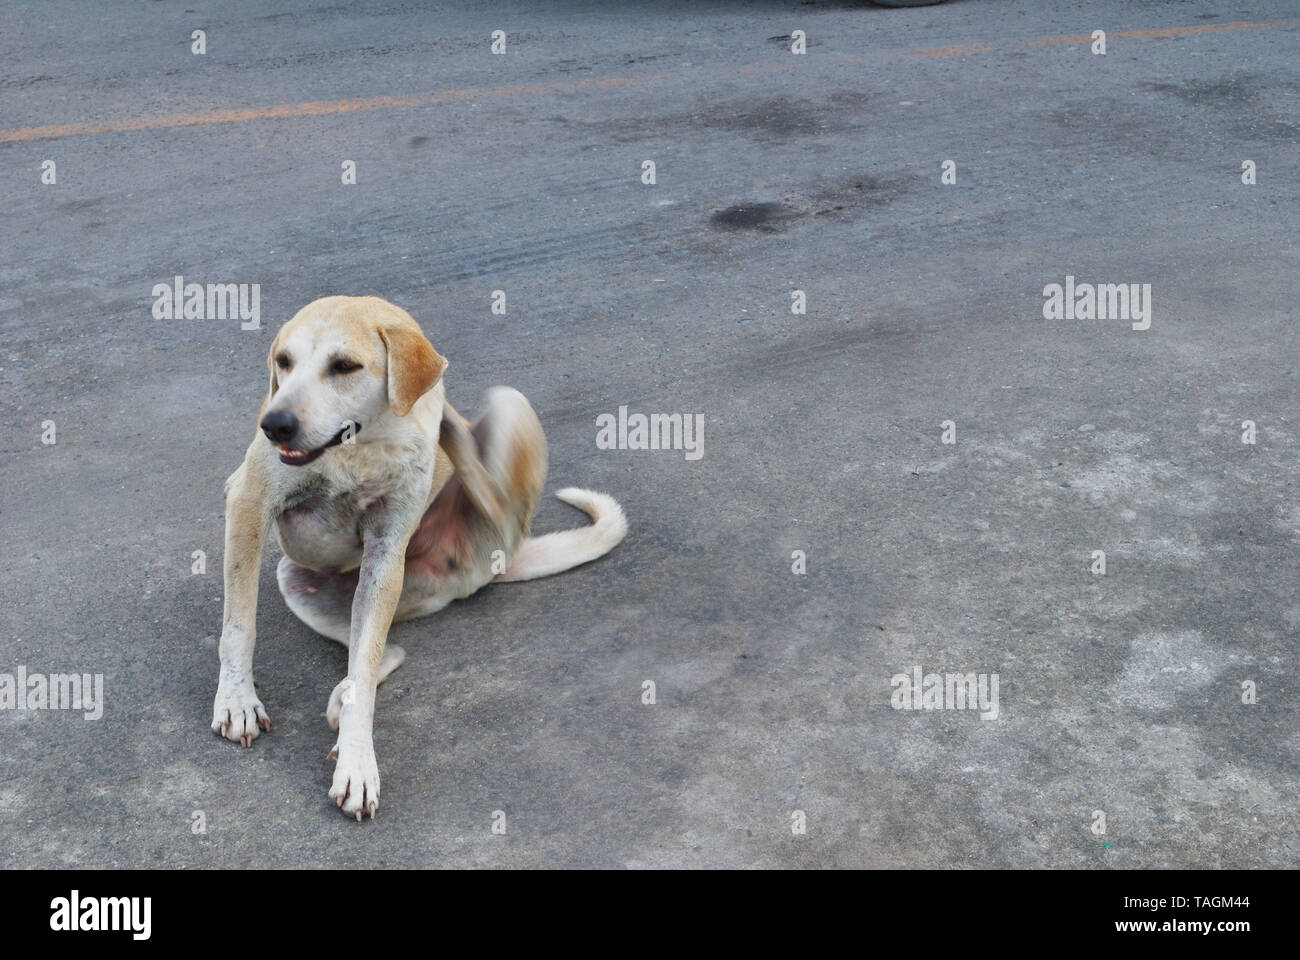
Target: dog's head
[{"x": 343, "y": 364}]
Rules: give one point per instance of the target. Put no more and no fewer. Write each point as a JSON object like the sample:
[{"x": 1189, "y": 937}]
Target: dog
[{"x": 388, "y": 505}]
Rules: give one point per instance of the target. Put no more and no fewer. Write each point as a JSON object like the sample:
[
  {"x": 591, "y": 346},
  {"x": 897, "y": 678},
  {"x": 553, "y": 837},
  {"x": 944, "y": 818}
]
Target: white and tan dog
[{"x": 388, "y": 505}]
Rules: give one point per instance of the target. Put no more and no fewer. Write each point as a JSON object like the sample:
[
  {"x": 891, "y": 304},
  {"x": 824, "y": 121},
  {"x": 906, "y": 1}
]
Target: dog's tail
[{"x": 556, "y": 552}]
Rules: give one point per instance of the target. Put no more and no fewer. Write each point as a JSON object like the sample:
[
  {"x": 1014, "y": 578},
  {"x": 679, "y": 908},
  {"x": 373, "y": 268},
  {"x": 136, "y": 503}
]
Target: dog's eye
[
  {"x": 282, "y": 361},
  {"x": 344, "y": 366}
]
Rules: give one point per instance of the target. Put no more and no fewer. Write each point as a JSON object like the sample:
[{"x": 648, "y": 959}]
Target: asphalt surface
[{"x": 775, "y": 172}]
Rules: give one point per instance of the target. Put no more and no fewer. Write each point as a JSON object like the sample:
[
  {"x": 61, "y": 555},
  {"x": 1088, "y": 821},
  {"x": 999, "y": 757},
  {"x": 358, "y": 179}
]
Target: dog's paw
[
  {"x": 237, "y": 713},
  {"x": 356, "y": 781}
]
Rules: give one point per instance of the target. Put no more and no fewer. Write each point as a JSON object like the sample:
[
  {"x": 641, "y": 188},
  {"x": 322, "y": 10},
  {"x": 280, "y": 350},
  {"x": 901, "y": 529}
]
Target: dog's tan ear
[
  {"x": 270, "y": 365},
  {"x": 414, "y": 367}
]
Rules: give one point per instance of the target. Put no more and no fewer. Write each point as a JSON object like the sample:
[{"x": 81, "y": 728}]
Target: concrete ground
[{"x": 775, "y": 172}]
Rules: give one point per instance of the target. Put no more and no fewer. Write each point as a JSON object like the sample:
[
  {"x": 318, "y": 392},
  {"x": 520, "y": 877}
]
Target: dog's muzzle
[{"x": 298, "y": 458}]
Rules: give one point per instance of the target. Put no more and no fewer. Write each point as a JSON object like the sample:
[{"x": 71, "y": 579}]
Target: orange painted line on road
[
  {"x": 319, "y": 108},
  {"x": 316, "y": 108},
  {"x": 953, "y": 50},
  {"x": 1159, "y": 33},
  {"x": 1152, "y": 33}
]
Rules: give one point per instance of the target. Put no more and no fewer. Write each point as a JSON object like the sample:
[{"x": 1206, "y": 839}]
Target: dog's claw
[
  {"x": 334, "y": 753},
  {"x": 237, "y": 714},
  {"x": 355, "y": 786}
]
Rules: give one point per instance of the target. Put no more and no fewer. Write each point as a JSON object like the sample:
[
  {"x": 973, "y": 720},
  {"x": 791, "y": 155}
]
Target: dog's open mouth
[{"x": 298, "y": 458}]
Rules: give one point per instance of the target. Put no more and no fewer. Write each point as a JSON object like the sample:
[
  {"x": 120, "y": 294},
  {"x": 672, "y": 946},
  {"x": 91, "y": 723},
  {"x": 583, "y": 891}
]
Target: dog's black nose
[{"x": 280, "y": 426}]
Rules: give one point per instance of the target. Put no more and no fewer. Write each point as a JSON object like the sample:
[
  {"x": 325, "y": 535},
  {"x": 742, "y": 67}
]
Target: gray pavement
[{"x": 775, "y": 172}]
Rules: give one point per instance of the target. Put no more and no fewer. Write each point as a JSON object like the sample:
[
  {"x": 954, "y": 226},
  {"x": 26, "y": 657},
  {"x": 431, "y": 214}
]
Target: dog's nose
[{"x": 280, "y": 426}]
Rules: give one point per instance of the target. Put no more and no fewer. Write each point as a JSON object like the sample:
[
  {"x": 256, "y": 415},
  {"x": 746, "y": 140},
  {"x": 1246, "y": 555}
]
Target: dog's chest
[{"x": 321, "y": 529}]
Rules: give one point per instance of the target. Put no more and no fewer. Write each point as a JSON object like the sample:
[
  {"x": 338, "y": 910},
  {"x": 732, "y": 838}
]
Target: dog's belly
[{"x": 320, "y": 536}]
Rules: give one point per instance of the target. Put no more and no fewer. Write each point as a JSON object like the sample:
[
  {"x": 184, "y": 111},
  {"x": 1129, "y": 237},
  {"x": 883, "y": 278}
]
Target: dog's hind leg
[
  {"x": 323, "y": 601},
  {"x": 390, "y": 661},
  {"x": 481, "y": 515}
]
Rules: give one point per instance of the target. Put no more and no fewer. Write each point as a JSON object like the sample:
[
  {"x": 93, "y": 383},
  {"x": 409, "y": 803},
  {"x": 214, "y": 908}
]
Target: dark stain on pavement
[
  {"x": 765, "y": 217},
  {"x": 774, "y": 120},
  {"x": 1229, "y": 93},
  {"x": 1240, "y": 100},
  {"x": 841, "y": 199}
]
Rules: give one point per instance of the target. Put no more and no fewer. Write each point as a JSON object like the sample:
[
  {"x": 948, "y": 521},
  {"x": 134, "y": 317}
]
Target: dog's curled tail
[{"x": 556, "y": 552}]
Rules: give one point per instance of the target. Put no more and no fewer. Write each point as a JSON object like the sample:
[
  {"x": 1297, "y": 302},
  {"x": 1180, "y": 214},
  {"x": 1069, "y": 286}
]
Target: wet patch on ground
[
  {"x": 764, "y": 217},
  {"x": 845, "y": 198},
  {"x": 775, "y": 120}
]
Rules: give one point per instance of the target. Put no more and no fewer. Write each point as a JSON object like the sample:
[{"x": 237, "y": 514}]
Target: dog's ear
[
  {"x": 270, "y": 365},
  {"x": 414, "y": 367}
]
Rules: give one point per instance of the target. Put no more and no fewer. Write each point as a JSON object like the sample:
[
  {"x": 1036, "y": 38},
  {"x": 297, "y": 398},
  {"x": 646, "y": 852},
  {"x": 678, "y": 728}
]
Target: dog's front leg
[
  {"x": 356, "y": 777},
  {"x": 237, "y": 713}
]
